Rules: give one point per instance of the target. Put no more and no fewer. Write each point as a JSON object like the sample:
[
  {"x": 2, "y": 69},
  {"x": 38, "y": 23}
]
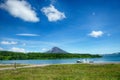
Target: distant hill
[
  {"x": 58, "y": 54},
  {"x": 56, "y": 50},
  {"x": 117, "y": 53}
]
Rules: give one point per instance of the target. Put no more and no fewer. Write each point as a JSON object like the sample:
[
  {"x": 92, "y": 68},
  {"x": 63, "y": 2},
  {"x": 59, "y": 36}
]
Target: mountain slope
[{"x": 56, "y": 50}]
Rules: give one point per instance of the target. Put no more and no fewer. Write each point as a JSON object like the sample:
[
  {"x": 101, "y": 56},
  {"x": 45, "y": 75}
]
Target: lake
[{"x": 105, "y": 59}]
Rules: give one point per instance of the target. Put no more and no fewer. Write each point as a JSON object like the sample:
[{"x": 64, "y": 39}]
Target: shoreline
[
  {"x": 41, "y": 65},
  {"x": 63, "y": 63},
  {"x": 12, "y": 67}
]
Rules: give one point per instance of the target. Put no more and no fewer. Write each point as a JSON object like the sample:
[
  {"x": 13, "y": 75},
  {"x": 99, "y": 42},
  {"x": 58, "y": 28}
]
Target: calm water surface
[{"x": 105, "y": 59}]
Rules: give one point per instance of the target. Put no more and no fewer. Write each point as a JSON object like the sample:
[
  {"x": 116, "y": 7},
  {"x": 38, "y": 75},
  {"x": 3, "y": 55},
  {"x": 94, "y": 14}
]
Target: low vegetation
[
  {"x": 8, "y": 55},
  {"x": 65, "y": 72}
]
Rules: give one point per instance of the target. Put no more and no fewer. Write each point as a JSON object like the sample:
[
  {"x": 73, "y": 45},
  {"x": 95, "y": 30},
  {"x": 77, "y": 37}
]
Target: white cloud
[
  {"x": 44, "y": 49},
  {"x": 8, "y": 42},
  {"x": 20, "y": 9},
  {"x": 24, "y": 44},
  {"x": 1, "y": 48},
  {"x": 34, "y": 43},
  {"x": 96, "y": 34},
  {"x": 15, "y": 49},
  {"x": 24, "y": 34},
  {"x": 52, "y": 13}
]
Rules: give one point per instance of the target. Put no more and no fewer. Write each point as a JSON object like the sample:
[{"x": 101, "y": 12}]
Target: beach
[{"x": 18, "y": 66}]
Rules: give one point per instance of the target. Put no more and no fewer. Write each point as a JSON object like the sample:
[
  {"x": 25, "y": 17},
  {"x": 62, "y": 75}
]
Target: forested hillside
[{"x": 8, "y": 55}]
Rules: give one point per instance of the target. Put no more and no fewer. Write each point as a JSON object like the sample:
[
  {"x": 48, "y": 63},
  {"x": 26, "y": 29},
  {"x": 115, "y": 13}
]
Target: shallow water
[{"x": 114, "y": 58}]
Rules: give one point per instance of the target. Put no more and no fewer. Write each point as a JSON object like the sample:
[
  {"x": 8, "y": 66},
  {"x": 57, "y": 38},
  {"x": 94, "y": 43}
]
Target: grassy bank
[{"x": 65, "y": 72}]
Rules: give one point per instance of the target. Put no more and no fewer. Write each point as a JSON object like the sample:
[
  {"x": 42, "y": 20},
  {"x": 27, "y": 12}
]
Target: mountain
[
  {"x": 56, "y": 50},
  {"x": 116, "y": 53}
]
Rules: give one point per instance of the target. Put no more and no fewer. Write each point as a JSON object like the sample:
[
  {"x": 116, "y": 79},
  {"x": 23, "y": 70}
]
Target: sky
[{"x": 76, "y": 26}]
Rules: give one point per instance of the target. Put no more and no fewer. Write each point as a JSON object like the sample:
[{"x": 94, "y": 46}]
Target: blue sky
[{"x": 78, "y": 26}]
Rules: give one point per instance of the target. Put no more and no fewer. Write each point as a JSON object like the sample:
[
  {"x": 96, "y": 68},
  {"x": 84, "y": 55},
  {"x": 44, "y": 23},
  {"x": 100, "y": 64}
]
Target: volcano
[{"x": 56, "y": 50}]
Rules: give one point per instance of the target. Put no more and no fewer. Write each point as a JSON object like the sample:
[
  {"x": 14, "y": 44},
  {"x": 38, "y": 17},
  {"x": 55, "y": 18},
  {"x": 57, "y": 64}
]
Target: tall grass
[{"x": 65, "y": 72}]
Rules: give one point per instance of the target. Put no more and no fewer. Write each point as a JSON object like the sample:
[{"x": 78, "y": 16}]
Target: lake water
[{"x": 105, "y": 59}]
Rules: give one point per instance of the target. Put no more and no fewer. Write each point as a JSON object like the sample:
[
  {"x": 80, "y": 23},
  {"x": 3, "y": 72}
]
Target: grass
[{"x": 65, "y": 72}]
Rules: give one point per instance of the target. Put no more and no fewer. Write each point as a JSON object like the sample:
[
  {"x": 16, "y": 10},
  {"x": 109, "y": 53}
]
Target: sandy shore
[{"x": 25, "y": 66}]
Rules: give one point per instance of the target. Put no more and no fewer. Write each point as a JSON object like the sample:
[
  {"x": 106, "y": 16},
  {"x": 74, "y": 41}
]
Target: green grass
[{"x": 65, "y": 72}]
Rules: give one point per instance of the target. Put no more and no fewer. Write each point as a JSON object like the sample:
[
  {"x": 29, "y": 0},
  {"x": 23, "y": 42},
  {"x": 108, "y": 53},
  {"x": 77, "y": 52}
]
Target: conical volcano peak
[{"x": 56, "y": 50}]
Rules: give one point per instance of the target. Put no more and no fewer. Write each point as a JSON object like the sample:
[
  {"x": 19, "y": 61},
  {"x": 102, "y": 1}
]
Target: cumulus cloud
[
  {"x": 24, "y": 34},
  {"x": 96, "y": 34},
  {"x": 8, "y": 42},
  {"x": 20, "y": 9},
  {"x": 15, "y": 49},
  {"x": 52, "y": 13}
]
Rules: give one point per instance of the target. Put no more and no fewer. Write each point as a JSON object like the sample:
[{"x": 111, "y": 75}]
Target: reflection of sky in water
[{"x": 105, "y": 58}]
